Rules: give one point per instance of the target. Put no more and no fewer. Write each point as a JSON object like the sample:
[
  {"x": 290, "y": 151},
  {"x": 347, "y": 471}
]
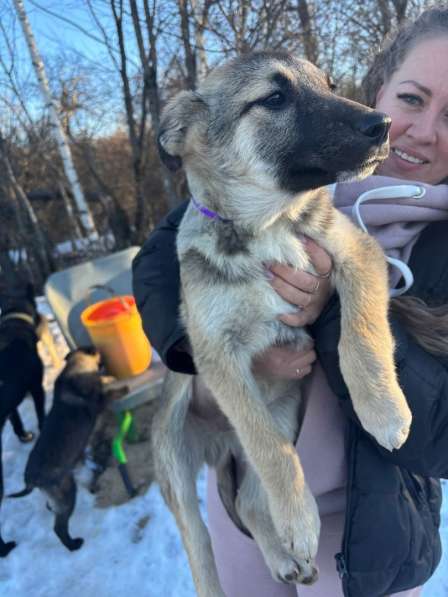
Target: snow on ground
[{"x": 133, "y": 549}]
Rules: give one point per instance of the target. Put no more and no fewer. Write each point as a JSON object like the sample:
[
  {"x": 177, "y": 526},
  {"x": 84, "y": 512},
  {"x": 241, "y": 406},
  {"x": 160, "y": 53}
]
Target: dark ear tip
[{"x": 172, "y": 162}]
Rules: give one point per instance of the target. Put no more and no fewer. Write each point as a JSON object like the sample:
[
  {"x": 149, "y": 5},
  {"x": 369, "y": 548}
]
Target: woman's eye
[
  {"x": 274, "y": 101},
  {"x": 411, "y": 99}
]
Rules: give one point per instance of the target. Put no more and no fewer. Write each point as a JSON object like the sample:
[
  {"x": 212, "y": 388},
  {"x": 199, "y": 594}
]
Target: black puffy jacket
[{"x": 391, "y": 540}]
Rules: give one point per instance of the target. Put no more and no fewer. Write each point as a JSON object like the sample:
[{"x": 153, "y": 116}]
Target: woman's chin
[{"x": 407, "y": 172}]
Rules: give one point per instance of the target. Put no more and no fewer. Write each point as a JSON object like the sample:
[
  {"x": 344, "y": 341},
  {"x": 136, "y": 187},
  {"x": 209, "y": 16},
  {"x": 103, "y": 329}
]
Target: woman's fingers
[
  {"x": 320, "y": 259},
  {"x": 285, "y": 362},
  {"x": 291, "y": 293},
  {"x": 308, "y": 292},
  {"x": 298, "y": 279}
]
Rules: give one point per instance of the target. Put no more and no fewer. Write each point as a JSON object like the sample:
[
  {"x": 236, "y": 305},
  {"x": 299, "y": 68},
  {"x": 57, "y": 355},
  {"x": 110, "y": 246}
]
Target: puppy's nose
[{"x": 374, "y": 125}]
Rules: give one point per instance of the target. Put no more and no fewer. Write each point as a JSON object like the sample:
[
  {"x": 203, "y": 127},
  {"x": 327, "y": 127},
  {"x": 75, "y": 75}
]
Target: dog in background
[
  {"x": 259, "y": 139},
  {"x": 21, "y": 368},
  {"x": 80, "y": 394}
]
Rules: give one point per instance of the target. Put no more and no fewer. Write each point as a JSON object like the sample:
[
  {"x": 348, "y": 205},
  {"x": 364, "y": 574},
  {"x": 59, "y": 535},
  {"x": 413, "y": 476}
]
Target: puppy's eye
[{"x": 274, "y": 101}]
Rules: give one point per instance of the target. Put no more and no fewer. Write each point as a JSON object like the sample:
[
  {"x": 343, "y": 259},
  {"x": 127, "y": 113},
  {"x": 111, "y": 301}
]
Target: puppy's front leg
[
  {"x": 272, "y": 455},
  {"x": 366, "y": 347}
]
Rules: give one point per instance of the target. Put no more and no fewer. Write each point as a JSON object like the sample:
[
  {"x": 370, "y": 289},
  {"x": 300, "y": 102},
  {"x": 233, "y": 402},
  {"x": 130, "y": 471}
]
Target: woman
[{"x": 379, "y": 510}]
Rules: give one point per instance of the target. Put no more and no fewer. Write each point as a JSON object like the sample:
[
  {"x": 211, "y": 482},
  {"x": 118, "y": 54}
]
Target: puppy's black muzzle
[
  {"x": 374, "y": 126},
  {"x": 335, "y": 137}
]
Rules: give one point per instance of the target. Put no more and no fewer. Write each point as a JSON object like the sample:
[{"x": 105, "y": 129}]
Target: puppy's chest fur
[{"x": 226, "y": 294}]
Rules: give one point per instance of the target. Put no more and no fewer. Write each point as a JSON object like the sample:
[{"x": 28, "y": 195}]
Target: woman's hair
[
  {"x": 427, "y": 325},
  {"x": 432, "y": 23}
]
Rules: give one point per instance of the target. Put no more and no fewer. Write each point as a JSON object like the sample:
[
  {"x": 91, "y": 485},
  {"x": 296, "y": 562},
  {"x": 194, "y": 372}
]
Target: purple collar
[{"x": 208, "y": 213}]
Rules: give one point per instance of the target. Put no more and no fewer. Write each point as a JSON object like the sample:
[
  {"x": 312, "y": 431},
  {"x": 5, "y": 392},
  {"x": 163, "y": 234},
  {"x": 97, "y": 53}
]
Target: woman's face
[{"x": 416, "y": 98}]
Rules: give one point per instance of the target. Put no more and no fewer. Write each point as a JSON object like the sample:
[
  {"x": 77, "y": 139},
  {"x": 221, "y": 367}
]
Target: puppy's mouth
[
  {"x": 322, "y": 176},
  {"x": 310, "y": 173}
]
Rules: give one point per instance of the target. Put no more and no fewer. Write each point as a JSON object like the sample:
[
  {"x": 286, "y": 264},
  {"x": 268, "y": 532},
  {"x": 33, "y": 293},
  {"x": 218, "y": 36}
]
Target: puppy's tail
[{"x": 28, "y": 489}]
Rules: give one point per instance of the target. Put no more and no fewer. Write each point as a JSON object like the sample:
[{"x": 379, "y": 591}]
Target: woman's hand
[
  {"x": 284, "y": 362},
  {"x": 307, "y": 292},
  {"x": 310, "y": 294}
]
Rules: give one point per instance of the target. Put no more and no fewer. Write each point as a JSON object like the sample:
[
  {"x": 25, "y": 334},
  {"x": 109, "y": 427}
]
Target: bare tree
[
  {"x": 85, "y": 216},
  {"x": 40, "y": 243},
  {"x": 310, "y": 44}
]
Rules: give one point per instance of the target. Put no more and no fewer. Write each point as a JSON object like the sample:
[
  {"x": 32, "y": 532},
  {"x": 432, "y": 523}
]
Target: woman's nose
[{"x": 424, "y": 128}]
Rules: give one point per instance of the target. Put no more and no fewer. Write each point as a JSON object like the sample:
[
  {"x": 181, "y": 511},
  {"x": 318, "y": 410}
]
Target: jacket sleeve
[
  {"x": 424, "y": 380},
  {"x": 156, "y": 287}
]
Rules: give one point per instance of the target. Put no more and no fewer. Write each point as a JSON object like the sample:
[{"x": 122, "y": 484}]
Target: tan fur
[
  {"x": 45, "y": 336},
  {"x": 231, "y": 312}
]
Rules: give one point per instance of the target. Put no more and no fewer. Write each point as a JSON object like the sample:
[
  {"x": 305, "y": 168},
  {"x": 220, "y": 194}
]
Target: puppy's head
[
  {"x": 17, "y": 294},
  {"x": 84, "y": 360},
  {"x": 269, "y": 121}
]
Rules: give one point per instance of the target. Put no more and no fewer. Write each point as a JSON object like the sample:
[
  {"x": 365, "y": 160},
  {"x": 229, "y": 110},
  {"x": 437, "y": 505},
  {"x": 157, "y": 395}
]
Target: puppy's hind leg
[
  {"x": 17, "y": 424},
  {"x": 63, "y": 499},
  {"x": 38, "y": 394},
  {"x": 178, "y": 457}
]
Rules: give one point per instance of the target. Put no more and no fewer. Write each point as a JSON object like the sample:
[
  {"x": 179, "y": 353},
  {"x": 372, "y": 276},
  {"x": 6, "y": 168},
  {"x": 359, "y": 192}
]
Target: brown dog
[{"x": 80, "y": 395}]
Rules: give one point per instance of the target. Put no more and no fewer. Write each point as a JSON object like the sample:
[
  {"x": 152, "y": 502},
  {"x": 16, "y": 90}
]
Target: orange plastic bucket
[{"x": 115, "y": 328}]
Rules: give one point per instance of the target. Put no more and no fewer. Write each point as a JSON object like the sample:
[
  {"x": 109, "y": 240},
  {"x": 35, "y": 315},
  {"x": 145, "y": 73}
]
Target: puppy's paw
[
  {"x": 387, "y": 418},
  {"x": 6, "y": 548},
  {"x": 26, "y": 437},
  {"x": 75, "y": 544},
  {"x": 287, "y": 570},
  {"x": 298, "y": 525}
]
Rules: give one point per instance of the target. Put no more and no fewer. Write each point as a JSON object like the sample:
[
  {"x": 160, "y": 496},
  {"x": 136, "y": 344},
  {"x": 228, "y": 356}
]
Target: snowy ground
[{"x": 133, "y": 549}]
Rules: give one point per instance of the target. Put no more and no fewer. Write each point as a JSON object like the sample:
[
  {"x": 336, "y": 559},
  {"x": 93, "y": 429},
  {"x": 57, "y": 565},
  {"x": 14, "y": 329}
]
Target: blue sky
[
  {"x": 66, "y": 51},
  {"x": 53, "y": 33}
]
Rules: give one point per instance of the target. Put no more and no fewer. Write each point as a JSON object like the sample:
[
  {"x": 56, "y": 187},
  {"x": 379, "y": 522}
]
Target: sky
[{"x": 69, "y": 42}]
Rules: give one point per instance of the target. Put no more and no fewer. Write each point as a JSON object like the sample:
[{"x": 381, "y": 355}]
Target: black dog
[
  {"x": 21, "y": 369},
  {"x": 79, "y": 396}
]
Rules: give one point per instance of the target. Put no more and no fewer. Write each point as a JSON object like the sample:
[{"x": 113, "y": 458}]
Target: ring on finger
[
  {"x": 324, "y": 276},
  {"x": 316, "y": 288}
]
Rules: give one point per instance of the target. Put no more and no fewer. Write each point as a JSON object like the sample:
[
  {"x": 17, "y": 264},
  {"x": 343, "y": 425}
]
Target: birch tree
[{"x": 84, "y": 214}]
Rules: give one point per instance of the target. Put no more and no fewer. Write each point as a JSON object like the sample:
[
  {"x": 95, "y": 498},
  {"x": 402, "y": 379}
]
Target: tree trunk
[
  {"x": 45, "y": 260},
  {"x": 85, "y": 216},
  {"x": 309, "y": 38},
  {"x": 190, "y": 56}
]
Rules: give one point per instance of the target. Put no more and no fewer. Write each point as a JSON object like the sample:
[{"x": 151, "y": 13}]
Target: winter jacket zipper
[{"x": 342, "y": 557}]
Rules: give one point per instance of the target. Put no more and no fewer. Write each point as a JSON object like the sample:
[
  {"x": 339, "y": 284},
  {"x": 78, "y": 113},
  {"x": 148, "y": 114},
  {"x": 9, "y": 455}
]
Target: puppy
[
  {"x": 79, "y": 396},
  {"x": 21, "y": 369},
  {"x": 259, "y": 140}
]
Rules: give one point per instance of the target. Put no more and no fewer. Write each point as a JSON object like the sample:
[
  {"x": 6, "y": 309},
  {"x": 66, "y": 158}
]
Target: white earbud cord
[{"x": 393, "y": 192}]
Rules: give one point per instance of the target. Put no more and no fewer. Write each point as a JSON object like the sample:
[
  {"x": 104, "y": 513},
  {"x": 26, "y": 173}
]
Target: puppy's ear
[{"x": 180, "y": 113}]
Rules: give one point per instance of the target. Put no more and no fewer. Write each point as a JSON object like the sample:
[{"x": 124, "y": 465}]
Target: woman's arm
[
  {"x": 424, "y": 380},
  {"x": 156, "y": 287}
]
